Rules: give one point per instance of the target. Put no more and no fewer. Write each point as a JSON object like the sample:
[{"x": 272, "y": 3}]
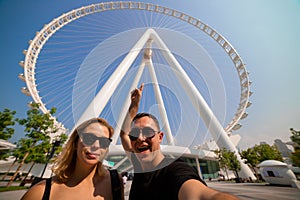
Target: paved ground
[{"x": 245, "y": 191}]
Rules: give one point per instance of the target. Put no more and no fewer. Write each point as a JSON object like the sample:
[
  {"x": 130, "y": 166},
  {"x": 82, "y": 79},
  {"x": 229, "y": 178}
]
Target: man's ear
[{"x": 160, "y": 135}]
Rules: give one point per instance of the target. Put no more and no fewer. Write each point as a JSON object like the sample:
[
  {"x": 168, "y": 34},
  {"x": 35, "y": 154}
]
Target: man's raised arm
[{"x": 136, "y": 95}]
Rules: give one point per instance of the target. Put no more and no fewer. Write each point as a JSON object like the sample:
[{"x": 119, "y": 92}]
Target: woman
[{"x": 79, "y": 173}]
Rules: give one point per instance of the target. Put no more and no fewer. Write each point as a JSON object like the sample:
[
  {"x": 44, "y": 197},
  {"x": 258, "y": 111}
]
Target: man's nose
[{"x": 141, "y": 136}]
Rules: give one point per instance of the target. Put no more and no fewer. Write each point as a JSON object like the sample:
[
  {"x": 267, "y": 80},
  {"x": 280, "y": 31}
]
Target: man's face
[{"x": 146, "y": 148}]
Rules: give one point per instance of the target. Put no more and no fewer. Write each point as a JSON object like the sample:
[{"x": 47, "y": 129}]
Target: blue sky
[{"x": 265, "y": 34}]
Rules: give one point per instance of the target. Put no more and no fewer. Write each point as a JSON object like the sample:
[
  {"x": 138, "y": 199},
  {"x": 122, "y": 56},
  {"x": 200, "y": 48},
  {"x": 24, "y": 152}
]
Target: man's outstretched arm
[{"x": 195, "y": 190}]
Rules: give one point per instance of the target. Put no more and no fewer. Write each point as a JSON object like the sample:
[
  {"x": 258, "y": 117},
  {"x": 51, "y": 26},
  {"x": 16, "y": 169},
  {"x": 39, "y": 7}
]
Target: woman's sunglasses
[
  {"x": 89, "y": 138},
  {"x": 147, "y": 132}
]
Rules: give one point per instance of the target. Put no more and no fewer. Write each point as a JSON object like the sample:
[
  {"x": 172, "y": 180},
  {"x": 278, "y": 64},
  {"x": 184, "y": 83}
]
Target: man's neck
[{"x": 149, "y": 166}]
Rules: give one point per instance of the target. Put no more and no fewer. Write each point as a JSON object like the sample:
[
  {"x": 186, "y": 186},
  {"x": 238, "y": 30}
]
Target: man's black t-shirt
[{"x": 163, "y": 183}]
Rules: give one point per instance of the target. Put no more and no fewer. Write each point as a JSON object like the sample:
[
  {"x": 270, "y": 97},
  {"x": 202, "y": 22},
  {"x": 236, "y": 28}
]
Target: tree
[
  {"x": 259, "y": 153},
  {"x": 55, "y": 150},
  {"x": 17, "y": 153},
  {"x": 296, "y": 144},
  {"x": 37, "y": 154},
  {"x": 228, "y": 160},
  {"x": 295, "y": 137},
  {"x": 38, "y": 128},
  {"x": 6, "y": 121},
  {"x": 6, "y": 131},
  {"x": 267, "y": 152},
  {"x": 222, "y": 161},
  {"x": 251, "y": 158},
  {"x": 233, "y": 163}
]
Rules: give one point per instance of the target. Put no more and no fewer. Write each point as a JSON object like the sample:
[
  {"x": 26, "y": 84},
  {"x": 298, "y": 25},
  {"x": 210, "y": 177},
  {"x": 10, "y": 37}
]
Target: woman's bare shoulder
[{"x": 35, "y": 192}]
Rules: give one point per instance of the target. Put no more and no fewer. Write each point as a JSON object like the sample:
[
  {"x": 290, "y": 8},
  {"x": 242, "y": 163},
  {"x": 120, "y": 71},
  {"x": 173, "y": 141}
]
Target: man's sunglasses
[
  {"x": 147, "y": 132},
  {"x": 89, "y": 138}
]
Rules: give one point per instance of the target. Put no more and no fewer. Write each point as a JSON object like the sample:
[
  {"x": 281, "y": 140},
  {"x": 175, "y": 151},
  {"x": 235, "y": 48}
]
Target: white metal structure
[
  {"x": 4, "y": 145},
  {"x": 219, "y": 133},
  {"x": 278, "y": 173}
]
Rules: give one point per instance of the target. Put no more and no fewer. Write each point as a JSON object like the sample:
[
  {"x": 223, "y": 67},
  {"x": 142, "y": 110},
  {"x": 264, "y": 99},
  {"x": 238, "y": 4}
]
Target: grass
[{"x": 12, "y": 188}]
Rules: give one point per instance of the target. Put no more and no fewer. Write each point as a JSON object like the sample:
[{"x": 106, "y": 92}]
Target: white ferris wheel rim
[{"x": 31, "y": 54}]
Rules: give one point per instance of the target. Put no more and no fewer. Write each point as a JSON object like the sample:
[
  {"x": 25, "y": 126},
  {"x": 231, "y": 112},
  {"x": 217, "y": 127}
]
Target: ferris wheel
[{"x": 76, "y": 55}]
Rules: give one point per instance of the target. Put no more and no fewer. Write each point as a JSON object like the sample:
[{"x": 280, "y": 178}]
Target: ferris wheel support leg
[
  {"x": 125, "y": 107},
  {"x": 157, "y": 92},
  {"x": 210, "y": 120},
  {"x": 160, "y": 101},
  {"x": 105, "y": 93},
  {"x": 198, "y": 167}
]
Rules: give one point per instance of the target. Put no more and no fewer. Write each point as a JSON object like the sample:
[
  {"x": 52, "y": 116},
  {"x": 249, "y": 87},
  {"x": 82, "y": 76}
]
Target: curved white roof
[
  {"x": 4, "y": 144},
  {"x": 271, "y": 163}
]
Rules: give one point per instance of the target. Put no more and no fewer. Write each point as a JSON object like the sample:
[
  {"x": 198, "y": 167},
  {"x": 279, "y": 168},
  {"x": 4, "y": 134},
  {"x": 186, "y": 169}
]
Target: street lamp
[{"x": 55, "y": 144}]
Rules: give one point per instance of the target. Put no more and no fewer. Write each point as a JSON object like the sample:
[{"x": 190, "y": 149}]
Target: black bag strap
[
  {"x": 46, "y": 195},
  {"x": 115, "y": 184}
]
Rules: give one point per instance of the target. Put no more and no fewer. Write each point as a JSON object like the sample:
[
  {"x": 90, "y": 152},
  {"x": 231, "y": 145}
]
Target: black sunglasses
[
  {"x": 147, "y": 132},
  {"x": 89, "y": 139}
]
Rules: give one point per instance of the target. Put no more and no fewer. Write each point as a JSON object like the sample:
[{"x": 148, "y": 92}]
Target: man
[{"x": 158, "y": 177}]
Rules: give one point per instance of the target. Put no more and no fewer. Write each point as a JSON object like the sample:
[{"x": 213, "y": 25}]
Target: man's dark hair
[{"x": 140, "y": 115}]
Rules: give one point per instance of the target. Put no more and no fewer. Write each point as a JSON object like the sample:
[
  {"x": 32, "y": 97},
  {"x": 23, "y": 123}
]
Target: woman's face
[{"x": 93, "y": 144}]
